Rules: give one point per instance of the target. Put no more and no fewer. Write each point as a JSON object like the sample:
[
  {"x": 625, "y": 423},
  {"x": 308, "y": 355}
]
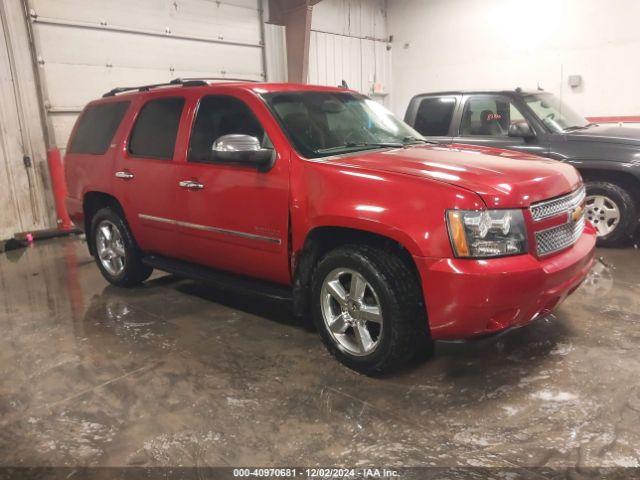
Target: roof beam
[{"x": 295, "y": 15}]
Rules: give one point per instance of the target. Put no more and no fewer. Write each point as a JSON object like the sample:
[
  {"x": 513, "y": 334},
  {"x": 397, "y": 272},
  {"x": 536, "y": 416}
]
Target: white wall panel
[
  {"x": 87, "y": 47},
  {"x": 359, "y": 62},
  {"x": 276, "y": 53},
  {"x": 467, "y": 44},
  {"x": 348, "y": 42},
  {"x": 354, "y": 18}
]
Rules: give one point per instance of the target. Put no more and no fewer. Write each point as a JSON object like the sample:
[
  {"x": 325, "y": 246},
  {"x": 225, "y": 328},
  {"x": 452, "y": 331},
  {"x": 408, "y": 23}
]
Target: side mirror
[
  {"x": 243, "y": 150},
  {"x": 521, "y": 129}
]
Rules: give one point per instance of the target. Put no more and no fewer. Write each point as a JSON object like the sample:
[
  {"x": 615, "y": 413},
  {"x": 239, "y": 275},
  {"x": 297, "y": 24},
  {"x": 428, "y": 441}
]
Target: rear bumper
[{"x": 467, "y": 298}]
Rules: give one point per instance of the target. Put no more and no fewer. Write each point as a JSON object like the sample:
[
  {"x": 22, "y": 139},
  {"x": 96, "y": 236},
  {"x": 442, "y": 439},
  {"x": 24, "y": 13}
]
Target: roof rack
[
  {"x": 206, "y": 79},
  {"x": 185, "y": 82}
]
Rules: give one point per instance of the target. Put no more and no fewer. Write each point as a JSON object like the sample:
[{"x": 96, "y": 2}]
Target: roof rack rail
[
  {"x": 185, "y": 82},
  {"x": 205, "y": 79},
  {"x": 146, "y": 88}
]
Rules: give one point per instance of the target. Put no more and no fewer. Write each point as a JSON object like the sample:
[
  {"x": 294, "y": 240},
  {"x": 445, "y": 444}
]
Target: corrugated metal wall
[
  {"x": 86, "y": 47},
  {"x": 349, "y": 42},
  {"x": 276, "y": 52}
]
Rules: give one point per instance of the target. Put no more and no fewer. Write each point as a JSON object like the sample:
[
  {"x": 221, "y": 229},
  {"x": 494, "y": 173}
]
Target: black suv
[{"x": 607, "y": 156}]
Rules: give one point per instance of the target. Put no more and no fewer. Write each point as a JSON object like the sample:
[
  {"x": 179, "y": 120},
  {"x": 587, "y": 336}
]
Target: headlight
[{"x": 487, "y": 233}]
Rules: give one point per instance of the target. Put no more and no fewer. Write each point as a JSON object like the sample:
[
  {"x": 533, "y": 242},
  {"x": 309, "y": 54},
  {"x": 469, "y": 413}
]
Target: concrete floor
[{"x": 174, "y": 373}]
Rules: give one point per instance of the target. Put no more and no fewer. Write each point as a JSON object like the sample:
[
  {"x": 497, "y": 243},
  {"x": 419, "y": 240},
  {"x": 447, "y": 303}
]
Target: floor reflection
[{"x": 176, "y": 373}]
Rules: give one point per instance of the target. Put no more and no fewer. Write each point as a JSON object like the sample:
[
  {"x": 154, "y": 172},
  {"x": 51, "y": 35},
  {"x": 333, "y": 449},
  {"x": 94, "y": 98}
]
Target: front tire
[
  {"x": 115, "y": 251},
  {"x": 367, "y": 305},
  {"x": 612, "y": 211}
]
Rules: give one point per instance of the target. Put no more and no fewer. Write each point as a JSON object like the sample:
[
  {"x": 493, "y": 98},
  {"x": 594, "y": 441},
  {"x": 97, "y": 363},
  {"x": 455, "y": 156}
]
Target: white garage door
[
  {"x": 25, "y": 203},
  {"x": 87, "y": 47}
]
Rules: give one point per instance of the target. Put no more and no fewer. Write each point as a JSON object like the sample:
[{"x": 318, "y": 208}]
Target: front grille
[
  {"x": 556, "y": 206},
  {"x": 556, "y": 238}
]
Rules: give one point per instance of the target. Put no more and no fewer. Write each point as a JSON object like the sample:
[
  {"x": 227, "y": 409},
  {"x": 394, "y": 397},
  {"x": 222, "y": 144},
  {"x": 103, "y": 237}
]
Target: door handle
[
  {"x": 124, "y": 175},
  {"x": 191, "y": 185}
]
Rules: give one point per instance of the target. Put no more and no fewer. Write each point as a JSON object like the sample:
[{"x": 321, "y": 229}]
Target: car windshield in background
[
  {"x": 321, "y": 124},
  {"x": 555, "y": 114}
]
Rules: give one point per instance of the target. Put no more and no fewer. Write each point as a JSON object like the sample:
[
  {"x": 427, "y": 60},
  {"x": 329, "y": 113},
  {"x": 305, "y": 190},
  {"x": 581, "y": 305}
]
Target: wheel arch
[
  {"x": 93, "y": 201},
  {"x": 322, "y": 239},
  {"x": 624, "y": 179},
  {"x": 629, "y": 221}
]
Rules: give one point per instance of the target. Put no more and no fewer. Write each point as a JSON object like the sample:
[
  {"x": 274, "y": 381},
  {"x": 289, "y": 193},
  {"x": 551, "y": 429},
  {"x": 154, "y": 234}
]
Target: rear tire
[
  {"x": 115, "y": 251},
  {"x": 397, "y": 333},
  {"x": 612, "y": 211}
]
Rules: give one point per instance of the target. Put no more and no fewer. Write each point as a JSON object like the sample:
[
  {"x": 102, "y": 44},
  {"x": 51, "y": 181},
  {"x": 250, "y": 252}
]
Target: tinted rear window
[
  {"x": 434, "y": 116},
  {"x": 96, "y": 128},
  {"x": 155, "y": 131}
]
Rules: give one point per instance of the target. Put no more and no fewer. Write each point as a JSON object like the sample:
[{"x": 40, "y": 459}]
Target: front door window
[
  {"x": 220, "y": 115},
  {"x": 489, "y": 116}
]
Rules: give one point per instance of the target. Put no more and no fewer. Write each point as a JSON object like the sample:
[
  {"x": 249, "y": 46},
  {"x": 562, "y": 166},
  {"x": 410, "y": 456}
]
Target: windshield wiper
[
  {"x": 350, "y": 145},
  {"x": 579, "y": 127},
  {"x": 410, "y": 139}
]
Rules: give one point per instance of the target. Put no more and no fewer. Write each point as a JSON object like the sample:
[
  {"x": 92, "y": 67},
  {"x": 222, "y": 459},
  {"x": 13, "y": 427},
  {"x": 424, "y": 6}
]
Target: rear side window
[
  {"x": 434, "y": 116},
  {"x": 96, "y": 128},
  {"x": 154, "y": 133}
]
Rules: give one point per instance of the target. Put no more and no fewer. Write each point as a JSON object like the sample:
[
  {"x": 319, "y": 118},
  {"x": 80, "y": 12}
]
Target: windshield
[
  {"x": 553, "y": 113},
  {"x": 321, "y": 124}
]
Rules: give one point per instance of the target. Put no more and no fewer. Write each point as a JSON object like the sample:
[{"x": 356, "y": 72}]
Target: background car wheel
[
  {"x": 612, "y": 211},
  {"x": 367, "y": 305},
  {"x": 115, "y": 251}
]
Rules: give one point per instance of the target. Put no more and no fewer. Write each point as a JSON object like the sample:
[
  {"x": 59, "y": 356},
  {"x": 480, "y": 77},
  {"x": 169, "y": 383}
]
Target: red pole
[{"x": 59, "y": 187}]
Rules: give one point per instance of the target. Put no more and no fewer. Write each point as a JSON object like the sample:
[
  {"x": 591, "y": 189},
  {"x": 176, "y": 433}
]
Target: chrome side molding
[{"x": 207, "y": 228}]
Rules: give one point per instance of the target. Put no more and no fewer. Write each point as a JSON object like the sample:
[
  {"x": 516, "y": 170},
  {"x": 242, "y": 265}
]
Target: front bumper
[{"x": 467, "y": 298}]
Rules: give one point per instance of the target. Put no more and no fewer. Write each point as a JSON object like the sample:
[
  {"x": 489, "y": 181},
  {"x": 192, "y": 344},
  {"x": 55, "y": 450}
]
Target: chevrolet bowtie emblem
[{"x": 576, "y": 214}]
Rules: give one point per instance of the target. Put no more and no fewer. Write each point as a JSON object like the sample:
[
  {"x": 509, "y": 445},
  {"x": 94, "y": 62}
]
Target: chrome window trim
[
  {"x": 207, "y": 228},
  {"x": 557, "y": 206}
]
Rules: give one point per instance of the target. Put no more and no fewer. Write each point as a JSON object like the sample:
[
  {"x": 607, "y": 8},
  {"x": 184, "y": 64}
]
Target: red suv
[{"x": 319, "y": 195}]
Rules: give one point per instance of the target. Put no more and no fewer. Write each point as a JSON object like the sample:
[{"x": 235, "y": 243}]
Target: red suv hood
[{"x": 503, "y": 178}]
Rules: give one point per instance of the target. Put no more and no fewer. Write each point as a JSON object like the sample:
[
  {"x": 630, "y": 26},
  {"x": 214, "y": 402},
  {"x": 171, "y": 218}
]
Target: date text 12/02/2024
[{"x": 330, "y": 473}]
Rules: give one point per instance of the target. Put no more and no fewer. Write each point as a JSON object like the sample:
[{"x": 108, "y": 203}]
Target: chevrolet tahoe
[{"x": 319, "y": 196}]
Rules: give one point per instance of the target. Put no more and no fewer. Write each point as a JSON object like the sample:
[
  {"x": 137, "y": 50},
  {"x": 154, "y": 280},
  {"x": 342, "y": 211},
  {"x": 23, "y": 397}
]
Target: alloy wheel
[
  {"x": 351, "y": 311},
  {"x": 110, "y": 248}
]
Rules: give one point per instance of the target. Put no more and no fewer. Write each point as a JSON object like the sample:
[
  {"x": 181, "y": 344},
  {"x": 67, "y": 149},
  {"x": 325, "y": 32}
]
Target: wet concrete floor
[{"x": 175, "y": 373}]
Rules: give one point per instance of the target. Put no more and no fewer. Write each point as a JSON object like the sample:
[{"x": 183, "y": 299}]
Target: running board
[{"x": 219, "y": 279}]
